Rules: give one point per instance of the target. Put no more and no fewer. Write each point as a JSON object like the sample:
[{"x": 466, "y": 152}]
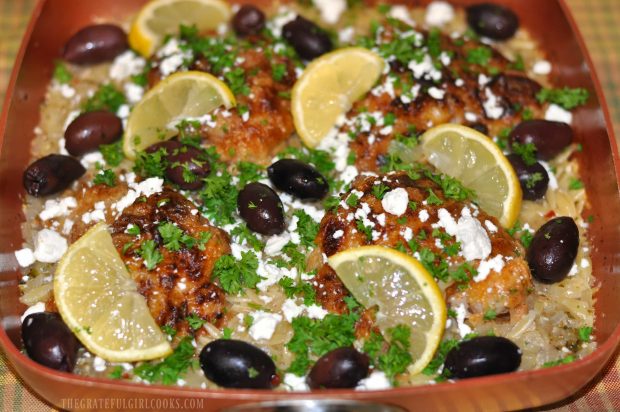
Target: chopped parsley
[
  {"x": 524, "y": 235},
  {"x": 518, "y": 64},
  {"x": 235, "y": 275},
  {"x": 352, "y": 200},
  {"x": 440, "y": 357},
  {"x": 479, "y": 55},
  {"x": 112, "y": 153},
  {"x": 242, "y": 234},
  {"x": 575, "y": 184},
  {"x": 432, "y": 198},
  {"x": 117, "y": 372},
  {"x": 107, "y": 97},
  {"x": 148, "y": 251},
  {"x": 306, "y": 227},
  {"x": 526, "y": 151},
  {"x": 61, "y": 74},
  {"x": 173, "y": 236},
  {"x": 379, "y": 190},
  {"x": 219, "y": 195},
  {"x": 451, "y": 187},
  {"x": 278, "y": 71},
  {"x": 227, "y": 333},
  {"x": 562, "y": 361},
  {"x": 298, "y": 288},
  {"x": 172, "y": 368},
  {"x": 490, "y": 314},
  {"x": 566, "y": 97},
  {"x": 367, "y": 230},
  {"x": 236, "y": 80},
  {"x": 396, "y": 358},
  {"x": 316, "y": 337},
  {"x": 195, "y": 322},
  {"x": 105, "y": 177},
  {"x": 585, "y": 333},
  {"x": 533, "y": 179}
]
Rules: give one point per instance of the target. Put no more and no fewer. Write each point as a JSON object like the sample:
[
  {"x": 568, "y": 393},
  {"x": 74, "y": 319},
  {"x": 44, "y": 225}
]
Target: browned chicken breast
[
  {"x": 456, "y": 241},
  {"x": 457, "y": 86},
  {"x": 261, "y": 80},
  {"x": 172, "y": 266}
]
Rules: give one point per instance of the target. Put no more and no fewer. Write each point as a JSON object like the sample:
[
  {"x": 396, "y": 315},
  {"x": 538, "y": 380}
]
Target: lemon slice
[
  {"x": 162, "y": 17},
  {"x": 477, "y": 162},
  {"x": 99, "y": 301},
  {"x": 180, "y": 96},
  {"x": 404, "y": 292},
  {"x": 328, "y": 88}
]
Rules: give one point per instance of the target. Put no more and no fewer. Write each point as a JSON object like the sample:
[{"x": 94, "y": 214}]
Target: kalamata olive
[
  {"x": 90, "y": 130},
  {"x": 248, "y": 20},
  {"x": 549, "y": 137},
  {"x": 49, "y": 341},
  {"x": 298, "y": 179},
  {"x": 492, "y": 20},
  {"x": 481, "y": 356},
  {"x": 261, "y": 208},
  {"x": 534, "y": 178},
  {"x": 308, "y": 39},
  {"x": 51, "y": 174},
  {"x": 340, "y": 368},
  {"x": 236, "y": 364},
  {"x": 187, "y": 167},
  {"x": 553, "y": 250},
  {"x": 94, "y": 44}
]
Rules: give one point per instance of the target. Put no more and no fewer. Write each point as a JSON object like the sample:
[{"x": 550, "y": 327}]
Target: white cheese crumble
[
  {"x": 36, "y": 308},
  {"x": 264, "y": 324},
  {"x": 542, "y": 67},
  {"x": 173, "y": 57},
  {"x": 91, "y": 159},
  {"x": 461, "y": 313},
  {"x": 126, "y": 64},
  {"x": 490, "y": 226},
  {"x": 275, "y": 243},
  {"x": 376, "y": 381},
  {"x": 491, "y": 105},
  {"x": 346, "y": 35},
  {"x": 400, "y": 12},
  {"x": 55, "y": 208},
  {"x": 146, "y": 188},
  {"x": 558, "y": 114},
  {"x": 49, "y": 246},
  {"x": 25, "y": 257},
  {"x": 99, "y": 364},
  {"x": 436, "y": 93},
  {"x": 495, "y": 264},
  {"x": 338, "y": 234},
  {"x": 553, "y": 181},
  {"x": 295, "y": 383},
  {"x": 330, "y": 10},
  {"x": 395, "y": 201},
  {"x": 284, "y": 16},
  {"x": 423, "y": 215},
  {"x": 475, "y": 243},
  {"x": 439, "y": 13}
]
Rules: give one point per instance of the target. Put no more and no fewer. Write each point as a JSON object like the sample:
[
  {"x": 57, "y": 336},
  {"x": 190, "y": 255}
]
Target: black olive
[
  {"x": 49, "y": 341},
  {"x": 492, "y": 20},
  {"x": 481, "y": 356},
  {"x": 51, "y": 174},
  {"x": 95, "y": 44},
  {"x": 261, "y": 208},
  {"x": 550, "y": 138},
  {"x": 236, "y": 364},
  {"x": 553, "y": 250},
  {"x": 308, "y": 39},
  {"x": 340, "y": 368},
  {"x": 248, "y": 20},
  {"x": 187, "y": 166},
  {"x": 170, "y": 146},
  {"x": 298, "y": 179},
  {"x": 534, "y": 178},
  {"x": 90, "y": 130}
]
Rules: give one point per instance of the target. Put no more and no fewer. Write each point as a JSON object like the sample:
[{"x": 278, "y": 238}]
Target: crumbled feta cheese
[
  {"x": 459, "y": 82},
  {"x": 585, "y": 263},
  {"x": 407, "y": 233},
  {"x": 423, "y": 215},
  {"x": 49, "y": 246},
  {"x": 36, "y": 308},
  {"x": 553, "y": 181},
  {"x": 461, "y": 313},
  {"x": 439, "y": 13},
  {"x": 330, "y": 10},
  {"x": 25, "y": 257},
  {"x": 445, "y": 58},
  {"x": 491, "y": 104},
  {"x": 146, "y": 188},
  {"x": 470, "y": 117},
  {"x": 542, "y": 67},
  {"x": 475, "y": 243},
  {"x": 490, "y": 226},
  {"x": 275, "y": 243},
  {"x": 291, "y": 310},
  {"x": 173, "y": 57},
  {"x": 67, "y": 226},
  {"x": 55, "y": 208},
  {"x": 376, "y": 381},
  {"x": 91, "y": 159},
  {"x": 126, "y": 64},
  {"x": 283, "y": 16},
  {"x": 436, "y": 93},
  {"x": 558, "y": 114},
  {"x": 395, "y": 201},
  {"x": 295, "y": 383},
  {"x": 316, "y": 312},
  {"x": 264, "y": 324},
  {"x": 338, "y": 234},
  {"x": 495, "y": 264},
  {"x": 424, "y": 69},
  {"x": 133, "y": 92},
  {"x": 99, "y": 364},
  {"x": 65, "y": 90},
  {"x": 93, "y": 216},
  {"x": 400, "y": 12},
  {"x": 346, "y": 35}
]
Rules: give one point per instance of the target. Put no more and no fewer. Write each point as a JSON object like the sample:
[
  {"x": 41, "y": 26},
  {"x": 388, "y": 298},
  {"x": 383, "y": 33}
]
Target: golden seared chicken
[
  {"x": 170, "y": 251},
  {"x": 434, "y": 79},
  {"x": 456, "y": 241},
  {"x": 261, "y": 80}
]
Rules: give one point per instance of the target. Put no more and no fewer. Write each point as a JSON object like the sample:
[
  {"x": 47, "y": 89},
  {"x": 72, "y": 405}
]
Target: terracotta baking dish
[{"x": 549, "y": 21}]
